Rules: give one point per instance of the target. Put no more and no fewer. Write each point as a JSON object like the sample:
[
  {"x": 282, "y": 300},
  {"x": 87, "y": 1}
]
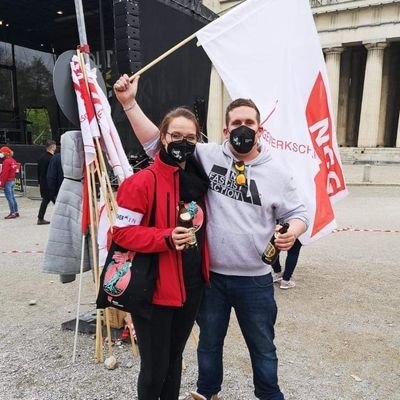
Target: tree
[{"x": 36, "y": 96}]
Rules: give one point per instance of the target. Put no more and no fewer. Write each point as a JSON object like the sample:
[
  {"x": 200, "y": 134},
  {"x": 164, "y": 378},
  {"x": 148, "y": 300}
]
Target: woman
[
  {"x": 7, "y": 180},
  {"x": 183, "y": 270}
]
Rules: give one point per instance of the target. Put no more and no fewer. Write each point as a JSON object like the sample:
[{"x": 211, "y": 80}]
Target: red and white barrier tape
[{"x": 350, "y": 229}]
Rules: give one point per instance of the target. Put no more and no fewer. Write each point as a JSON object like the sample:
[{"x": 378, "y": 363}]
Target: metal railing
[{"x": 30, "y": 181}]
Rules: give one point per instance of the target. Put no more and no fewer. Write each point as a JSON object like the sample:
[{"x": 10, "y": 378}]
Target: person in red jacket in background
[
  {"x": 7, "y": 180},
  {"x": 173, "y": 181}
]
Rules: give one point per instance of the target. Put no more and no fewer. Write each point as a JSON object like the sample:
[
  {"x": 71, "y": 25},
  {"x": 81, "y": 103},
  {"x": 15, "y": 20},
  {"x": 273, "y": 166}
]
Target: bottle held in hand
[
  {"x": 185, "y": 219},
  {"x": 271, "y": 252}
]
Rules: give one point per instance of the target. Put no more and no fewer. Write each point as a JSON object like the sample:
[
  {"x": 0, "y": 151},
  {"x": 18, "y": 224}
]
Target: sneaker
[
  {"x": 197, "y": 396},
  {"x": 42, "y": 222},
  {"x": 11, "y": 216},
  {"x": 276, "y": 276},
  {"x": 287, "y": 285},
  {"x": 17, "y": 214}
]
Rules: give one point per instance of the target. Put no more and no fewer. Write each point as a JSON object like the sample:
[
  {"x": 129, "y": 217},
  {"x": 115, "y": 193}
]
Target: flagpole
[
  {"x": 176, "y": 47},
  {"x": 83, "y": 42},
  {"x": 166, "y": 54},
  {"x": 80, "y": 19}
]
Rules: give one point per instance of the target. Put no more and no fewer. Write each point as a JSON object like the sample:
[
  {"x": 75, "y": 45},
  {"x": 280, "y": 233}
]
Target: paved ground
[
  {"x": 384, "y": 174},
  {"x": 338, "y": 331}
]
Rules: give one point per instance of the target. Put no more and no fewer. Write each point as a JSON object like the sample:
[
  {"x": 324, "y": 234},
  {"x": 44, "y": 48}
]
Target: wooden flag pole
[
  {"x": 129, "y": 324},
  {"x": 176, "y": 47},
  {"x": 99, "y": 333},
  {"x": 96, "y": 208},
  {"x": 103, "y": 167},
  {"x": 164, "y": 55},
  {"x": 111, "y": 210},
  {"x": 108, "y": 326},
  {"x": 99, "y": 336},
  {"x": 106, "y": 311}
]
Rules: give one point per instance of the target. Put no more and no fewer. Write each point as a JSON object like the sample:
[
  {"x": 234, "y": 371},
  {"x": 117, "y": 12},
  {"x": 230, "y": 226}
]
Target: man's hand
[
  {"x": 284, "y": 241},
  {"x": 125, "y": 90},
  {"x": 180, "y": 236}
]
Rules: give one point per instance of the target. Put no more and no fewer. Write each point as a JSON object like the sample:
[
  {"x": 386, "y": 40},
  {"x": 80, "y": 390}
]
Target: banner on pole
[{"x": 271, "y": 53}]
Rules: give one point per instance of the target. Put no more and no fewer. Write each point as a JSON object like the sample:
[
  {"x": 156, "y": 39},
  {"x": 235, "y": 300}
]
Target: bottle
[
  {"x": 271, "y": 253},
  {"x": 185, "y": 220}
]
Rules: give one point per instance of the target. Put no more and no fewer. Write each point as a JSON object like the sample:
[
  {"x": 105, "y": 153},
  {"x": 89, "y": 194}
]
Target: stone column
[
  {"x": 384, "y": 102},
  {"x": 372, "y": 94},
  {"x": 215, "y": 115},
  {"x": 398, "y": 134},
  {"x": 344, "y": 98},
  {"x": 333, "y": 67}
]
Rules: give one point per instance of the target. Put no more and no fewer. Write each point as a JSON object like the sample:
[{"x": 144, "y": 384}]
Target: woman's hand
[
  {"x": 125, "y": 90},
  {"x": 180, "y": 236}
]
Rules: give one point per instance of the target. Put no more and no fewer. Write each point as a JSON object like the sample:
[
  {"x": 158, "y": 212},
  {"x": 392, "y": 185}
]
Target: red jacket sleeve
[{"x": 131, "y": 231}]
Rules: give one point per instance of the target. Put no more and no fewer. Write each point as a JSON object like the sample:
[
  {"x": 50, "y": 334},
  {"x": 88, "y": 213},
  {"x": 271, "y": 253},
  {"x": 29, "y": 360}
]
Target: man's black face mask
[{"x": 242, "y": 139}]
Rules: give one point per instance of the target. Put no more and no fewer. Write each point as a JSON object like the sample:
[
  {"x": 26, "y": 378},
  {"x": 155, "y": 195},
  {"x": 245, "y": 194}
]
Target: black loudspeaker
[{"x": 127, "y": 36}]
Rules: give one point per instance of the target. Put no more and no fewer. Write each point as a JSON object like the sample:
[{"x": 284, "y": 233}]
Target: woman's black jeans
[{"x": 161, "y": 341}]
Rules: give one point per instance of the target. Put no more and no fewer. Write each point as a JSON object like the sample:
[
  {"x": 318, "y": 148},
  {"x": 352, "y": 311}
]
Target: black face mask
[
  {"x": 242, "y": 139},
  {"x": 180, "y": 151}
]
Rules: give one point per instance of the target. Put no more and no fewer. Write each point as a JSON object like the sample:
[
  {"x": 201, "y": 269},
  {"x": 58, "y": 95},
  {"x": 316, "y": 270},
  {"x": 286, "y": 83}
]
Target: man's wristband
[{"x": 131, "y": 106}]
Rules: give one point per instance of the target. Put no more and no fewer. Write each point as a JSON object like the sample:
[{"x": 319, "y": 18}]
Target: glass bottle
[
  {"x": 271, "y": 252},
  {"x": 185, "y": 219}
]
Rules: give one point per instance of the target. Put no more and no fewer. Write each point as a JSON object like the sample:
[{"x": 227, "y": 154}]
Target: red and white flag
[
  {"x": 87, "y": 117},
  {"x": 110, "y": 139},
  {"x": 270, "y": 52}
]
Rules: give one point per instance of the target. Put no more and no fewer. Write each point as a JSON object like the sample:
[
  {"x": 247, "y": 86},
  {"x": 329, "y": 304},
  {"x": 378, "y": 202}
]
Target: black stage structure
[{"x": 123, "y": 36}]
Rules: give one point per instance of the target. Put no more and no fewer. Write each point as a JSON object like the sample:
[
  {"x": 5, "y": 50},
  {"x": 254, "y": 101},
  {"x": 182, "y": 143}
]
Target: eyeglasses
[
  {"x": 240, "y": 178},
  {"x": 178, "y": 137}
]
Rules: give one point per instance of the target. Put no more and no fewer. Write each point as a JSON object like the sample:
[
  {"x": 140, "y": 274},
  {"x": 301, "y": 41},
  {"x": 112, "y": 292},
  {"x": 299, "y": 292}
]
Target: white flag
[
  {"x": 89, "y": 127},
  {"x": 109, "y": 135},
  {"x": 269, "y": 51}
]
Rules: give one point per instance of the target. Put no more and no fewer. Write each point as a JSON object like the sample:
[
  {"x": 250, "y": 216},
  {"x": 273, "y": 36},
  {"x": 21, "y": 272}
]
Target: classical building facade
[{"x": 361, "y": 43}]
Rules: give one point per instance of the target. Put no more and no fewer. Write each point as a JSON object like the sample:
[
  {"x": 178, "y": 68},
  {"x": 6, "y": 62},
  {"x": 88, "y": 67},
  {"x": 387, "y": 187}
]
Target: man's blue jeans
[
  {"x": 9, "y": 193},
  {"x": 253, "y": 301}
]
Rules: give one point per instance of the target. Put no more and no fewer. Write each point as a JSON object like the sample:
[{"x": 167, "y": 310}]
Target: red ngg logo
[{"x": 329, "y": 179}]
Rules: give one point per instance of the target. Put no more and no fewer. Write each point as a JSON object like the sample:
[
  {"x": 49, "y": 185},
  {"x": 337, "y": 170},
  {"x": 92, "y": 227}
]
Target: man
[
  {"x": 248, "y": 193},
  {"x": 43, "y": 166},
  {"x": 55, "y": 175}
]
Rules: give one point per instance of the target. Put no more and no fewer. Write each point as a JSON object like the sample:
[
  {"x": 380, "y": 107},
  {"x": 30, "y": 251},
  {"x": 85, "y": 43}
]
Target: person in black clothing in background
[
  {"x": 43, "y": 166},
  {"x": 55, "y": 176}
]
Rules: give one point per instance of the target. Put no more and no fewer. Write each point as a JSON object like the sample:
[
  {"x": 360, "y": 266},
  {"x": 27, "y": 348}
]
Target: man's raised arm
[{"x": 126, "y": 91}]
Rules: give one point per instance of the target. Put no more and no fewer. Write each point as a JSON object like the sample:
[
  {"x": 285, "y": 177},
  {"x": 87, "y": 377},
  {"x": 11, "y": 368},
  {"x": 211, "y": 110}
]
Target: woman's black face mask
[
  {"x": 180, "y": 151},
  {"x": 242, "y": 139}
]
